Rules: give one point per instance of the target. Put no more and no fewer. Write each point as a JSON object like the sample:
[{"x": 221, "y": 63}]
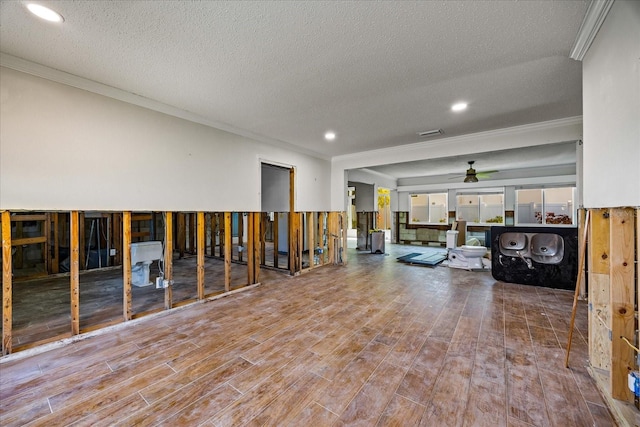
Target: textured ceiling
[{"x": 374, "y": 72}]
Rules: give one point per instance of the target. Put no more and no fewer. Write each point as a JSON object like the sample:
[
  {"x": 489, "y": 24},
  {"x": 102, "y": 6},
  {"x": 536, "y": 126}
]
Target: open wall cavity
[{"x": 65, "y": 273}]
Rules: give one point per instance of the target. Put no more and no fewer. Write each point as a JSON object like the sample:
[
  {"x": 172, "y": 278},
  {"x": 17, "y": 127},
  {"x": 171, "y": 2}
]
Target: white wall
[
  {"x": 611, "y": 104},
  {"x": 63, "y": 148}
]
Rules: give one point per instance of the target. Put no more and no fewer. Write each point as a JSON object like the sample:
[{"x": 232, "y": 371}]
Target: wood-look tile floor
[{"x": 375, "y": 343}]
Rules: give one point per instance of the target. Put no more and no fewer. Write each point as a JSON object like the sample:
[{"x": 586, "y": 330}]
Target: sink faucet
[{"x": 526, "y": 260}]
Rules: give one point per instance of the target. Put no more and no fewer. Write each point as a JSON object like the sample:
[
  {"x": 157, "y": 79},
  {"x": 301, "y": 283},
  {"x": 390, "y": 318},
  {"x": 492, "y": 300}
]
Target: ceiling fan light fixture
[{"x": 471, "y": 173}]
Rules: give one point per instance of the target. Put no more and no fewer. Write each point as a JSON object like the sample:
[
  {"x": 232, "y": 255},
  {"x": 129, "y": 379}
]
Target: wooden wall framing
[
  {"x": 7, "y": 300},
  {"x": 613, "y": 246},
  {"x": 308, "y": 232}
]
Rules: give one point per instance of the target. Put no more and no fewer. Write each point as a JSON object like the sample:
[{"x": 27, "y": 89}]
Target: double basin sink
[{"x": 543, "y": 248}]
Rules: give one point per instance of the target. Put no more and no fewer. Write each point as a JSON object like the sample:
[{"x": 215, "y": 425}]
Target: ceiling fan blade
[{"x": 485, "y": 174}]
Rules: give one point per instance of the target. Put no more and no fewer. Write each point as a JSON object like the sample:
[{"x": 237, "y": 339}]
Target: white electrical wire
[{"x": 630, "y": 345}]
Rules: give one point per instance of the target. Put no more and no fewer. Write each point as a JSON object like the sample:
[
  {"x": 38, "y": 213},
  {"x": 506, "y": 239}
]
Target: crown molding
[
  {"x": 38, "y": 70},
  {"x": 593, "y": 19}
]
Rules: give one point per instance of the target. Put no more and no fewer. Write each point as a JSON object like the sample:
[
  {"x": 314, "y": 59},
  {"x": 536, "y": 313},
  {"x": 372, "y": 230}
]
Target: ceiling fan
[{"x": 472, "y": 175}]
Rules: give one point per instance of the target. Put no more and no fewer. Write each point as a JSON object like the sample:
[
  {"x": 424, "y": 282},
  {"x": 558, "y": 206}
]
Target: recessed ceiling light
[
  {"x": 460, "y": 106},
  {"x": 330, "y": 136},
  {"x": 44, "y": 12}
]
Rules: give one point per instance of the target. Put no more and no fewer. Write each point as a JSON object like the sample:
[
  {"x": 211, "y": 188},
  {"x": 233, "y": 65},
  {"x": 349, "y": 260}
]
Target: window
[
  {"x": 428, "y": 208},
  {"x": 480, "y": 208},
  {"x": 545, "y": 206}
]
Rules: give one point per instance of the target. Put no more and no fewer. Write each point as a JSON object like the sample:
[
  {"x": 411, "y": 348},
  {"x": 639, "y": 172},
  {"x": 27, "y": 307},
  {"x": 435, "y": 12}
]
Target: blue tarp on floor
[{"x": 430, "y": 257}]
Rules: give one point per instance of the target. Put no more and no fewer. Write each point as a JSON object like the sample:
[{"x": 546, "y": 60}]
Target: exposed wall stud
[
  {"x": 250, "y": 248},
  {"x": 257, "y": 244},
  {"x": 7, "y": 301},
  {"x": 168, "y": 260},
  {"x": 599, "y": 289},
  {"x": 622, "y": 273},
  {"x": 200, "y": 247},
  {"x": 227, "y": 251},
  {"x": 126, "y": 265},
  {"x": 75, "y": 274}
]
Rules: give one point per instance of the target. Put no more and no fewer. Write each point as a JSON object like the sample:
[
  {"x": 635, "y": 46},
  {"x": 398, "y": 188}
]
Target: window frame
[
  {"x": 443, "y": 221},
  {"x": 478, "y": 195},
  {"x": 571, "y": 209}
]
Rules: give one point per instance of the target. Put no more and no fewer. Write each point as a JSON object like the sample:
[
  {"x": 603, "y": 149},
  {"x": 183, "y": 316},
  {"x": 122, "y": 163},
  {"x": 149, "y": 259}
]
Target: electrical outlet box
[
  {"x": 112, "y": 252},
  {"x": 159, "y": 284}
]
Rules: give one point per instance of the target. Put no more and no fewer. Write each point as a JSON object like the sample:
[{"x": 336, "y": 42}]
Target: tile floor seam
[{"x": 542, "y": 386}]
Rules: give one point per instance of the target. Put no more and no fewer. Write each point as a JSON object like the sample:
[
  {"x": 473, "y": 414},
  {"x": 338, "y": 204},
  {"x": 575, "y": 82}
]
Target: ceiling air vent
[{"x": 427, "y": 133}]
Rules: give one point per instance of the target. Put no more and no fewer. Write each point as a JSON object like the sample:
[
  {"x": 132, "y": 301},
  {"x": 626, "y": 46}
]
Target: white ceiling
[{"x": 374, "y": 72}]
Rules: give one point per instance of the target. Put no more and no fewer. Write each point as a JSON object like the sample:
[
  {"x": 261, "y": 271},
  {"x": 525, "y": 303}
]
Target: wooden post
[
  {"x": 638, "y": 261},
  {"x": 168, "y": 260},
  {"x": 622, "y": 272},
  {"x": 200, "y": 247},
  {"x": 293, "y": 242},
  {"x": 227, "y": 251},
  {"x": 300, "y": 237},
  {"x": 250, "y": 248},
  {"x": 257, "y": 245},
  {"x": 75, "y": 273},
  {"x": 7, "y": 301},
  {"x": 331, "y": 219},
  {"x": 599, "y": 292},
  {"x": 126, "y": 265}
]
